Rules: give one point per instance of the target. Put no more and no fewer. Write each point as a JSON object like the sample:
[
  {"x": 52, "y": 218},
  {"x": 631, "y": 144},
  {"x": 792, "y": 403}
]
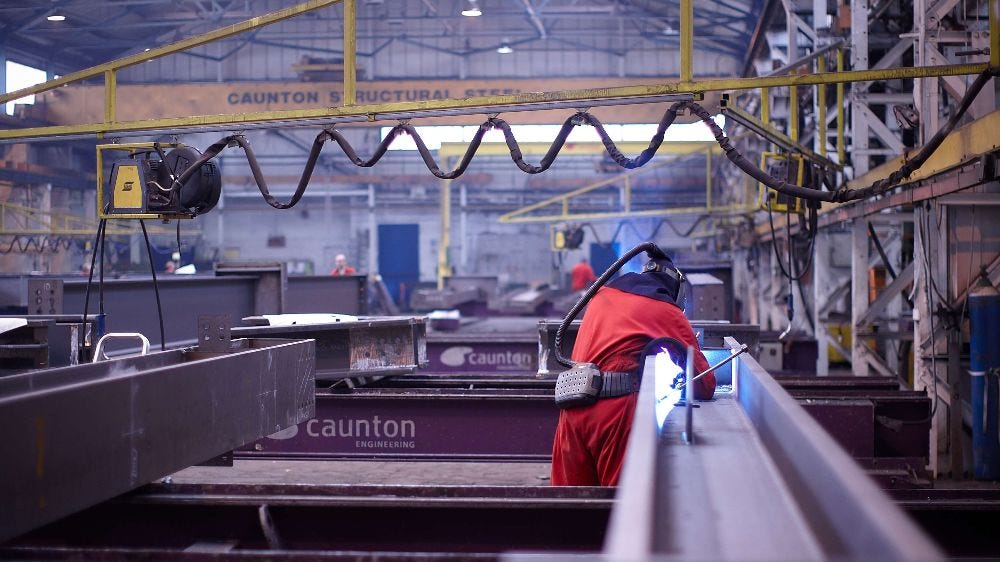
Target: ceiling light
[
  {"x": 504, "y": 49},
  {"x": 472, "y": 10},
  {"x": 55, "y": 17}
]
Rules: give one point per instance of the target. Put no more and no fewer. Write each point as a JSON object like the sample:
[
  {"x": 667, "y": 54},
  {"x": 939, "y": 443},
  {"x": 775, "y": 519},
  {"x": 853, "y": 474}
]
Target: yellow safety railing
[
  {"x": 19, "y": 220},
  {"x": 528, "y": 214}
]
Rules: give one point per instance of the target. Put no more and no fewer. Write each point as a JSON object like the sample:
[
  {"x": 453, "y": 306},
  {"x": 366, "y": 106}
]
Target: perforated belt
[{"x": 618, "y": 384}]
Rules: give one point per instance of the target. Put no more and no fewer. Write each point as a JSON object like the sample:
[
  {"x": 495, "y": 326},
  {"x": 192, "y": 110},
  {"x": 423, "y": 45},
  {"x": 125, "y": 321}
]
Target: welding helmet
[{"x": 663, "y": 268}]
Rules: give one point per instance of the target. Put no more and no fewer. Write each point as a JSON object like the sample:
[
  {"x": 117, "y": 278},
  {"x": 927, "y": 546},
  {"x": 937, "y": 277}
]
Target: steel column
[
  {"x": 859, "y": 61},
  {"x": 821, "y": 292},
  {"x": 859, "y": 293}
]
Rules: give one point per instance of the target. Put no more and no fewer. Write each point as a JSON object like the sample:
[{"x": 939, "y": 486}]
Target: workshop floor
[{"x": 369, "y": 472}]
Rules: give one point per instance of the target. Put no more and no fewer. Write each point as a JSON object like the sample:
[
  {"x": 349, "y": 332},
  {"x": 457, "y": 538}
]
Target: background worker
[
  {"x": 624, "y": 321},
  {"x": 340, "y": 266},
  {"x": 581, "y": 276}
]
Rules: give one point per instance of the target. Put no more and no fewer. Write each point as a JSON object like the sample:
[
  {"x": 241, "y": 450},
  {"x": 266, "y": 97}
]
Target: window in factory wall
[
  {"x": 21, "y": 76},
  {"x": 434, "y": 135}
]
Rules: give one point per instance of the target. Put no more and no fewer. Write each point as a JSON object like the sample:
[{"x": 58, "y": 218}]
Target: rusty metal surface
[
  {"x": 78, "y": 435},
  {"x": 369, "y": 346}
]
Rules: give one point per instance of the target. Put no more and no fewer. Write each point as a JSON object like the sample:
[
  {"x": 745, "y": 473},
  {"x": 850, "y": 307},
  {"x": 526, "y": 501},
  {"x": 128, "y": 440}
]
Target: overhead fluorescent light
[
  {"x": 55, "y": 17},
  {"x": 472, "y": 10}
]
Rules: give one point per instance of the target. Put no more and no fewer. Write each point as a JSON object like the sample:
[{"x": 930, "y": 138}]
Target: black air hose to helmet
[{"x": 655, "y": 254}]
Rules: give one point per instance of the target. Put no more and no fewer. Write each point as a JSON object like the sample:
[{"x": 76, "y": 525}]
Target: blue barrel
[{"x": 984, "y": 346}]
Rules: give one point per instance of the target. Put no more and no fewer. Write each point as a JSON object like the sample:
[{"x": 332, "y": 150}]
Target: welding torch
[{"x": 743, "y": 349}]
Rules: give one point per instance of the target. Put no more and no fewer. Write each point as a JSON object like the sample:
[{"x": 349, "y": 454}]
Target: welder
[{"x": 625, "y": 320}]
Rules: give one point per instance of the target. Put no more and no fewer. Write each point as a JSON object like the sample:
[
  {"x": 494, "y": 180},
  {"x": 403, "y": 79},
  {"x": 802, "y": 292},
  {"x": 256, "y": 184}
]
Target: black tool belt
[{"x": 618, "y": 384}]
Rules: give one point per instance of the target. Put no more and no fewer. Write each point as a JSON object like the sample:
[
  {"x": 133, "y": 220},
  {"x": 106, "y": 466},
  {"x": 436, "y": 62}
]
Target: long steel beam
[
  {"x": 75, "y": 436},
  {"x": 761, "y": 477}
]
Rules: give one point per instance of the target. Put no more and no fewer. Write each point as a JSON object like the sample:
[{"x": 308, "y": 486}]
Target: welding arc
[
  {"x": 744, "y": 348},
  {"x": 581, "y": 118}
]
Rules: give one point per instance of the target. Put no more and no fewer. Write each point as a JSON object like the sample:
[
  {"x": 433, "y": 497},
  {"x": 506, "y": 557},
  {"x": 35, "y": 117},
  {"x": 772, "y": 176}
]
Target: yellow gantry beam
[
  {"x": 687, "y": 40},
  {"x": 821, "y": 104},
  {"x": 484, "y": 104},
  {"x": 182, "y": 45},
  {"x": 350, "y": 50},
  {"x": 962, "y": 145},
  {"x": 841, "y": 142},
  {"x": 714, "y": 211}
]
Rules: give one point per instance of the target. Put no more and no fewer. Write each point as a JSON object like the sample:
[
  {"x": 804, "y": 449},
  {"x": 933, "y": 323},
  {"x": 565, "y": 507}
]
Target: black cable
[
  {"x": 36, "y": 244},
  {"x": 179, "y": 255},
  {"x": 100, "y": 283},
  {"x": 156, "y": 287},
  {"x": 791, "y": 279},
  {"x": 928, "y": 149},
  {"x": 650, "y": 248},
  {"x": 90, "y": 279}
]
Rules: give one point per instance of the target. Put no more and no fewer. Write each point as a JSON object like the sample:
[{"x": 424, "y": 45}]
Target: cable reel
[
  {"x": 566, "y": 237},
  {"x": 146, "y": 185}
]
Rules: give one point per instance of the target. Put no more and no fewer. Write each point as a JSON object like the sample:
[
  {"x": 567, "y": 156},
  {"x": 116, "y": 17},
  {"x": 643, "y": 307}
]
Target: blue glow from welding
[{"x": 667, "y": 396}]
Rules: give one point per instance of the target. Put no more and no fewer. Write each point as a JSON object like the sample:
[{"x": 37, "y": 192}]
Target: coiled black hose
[{"x": 582, "y": 118}]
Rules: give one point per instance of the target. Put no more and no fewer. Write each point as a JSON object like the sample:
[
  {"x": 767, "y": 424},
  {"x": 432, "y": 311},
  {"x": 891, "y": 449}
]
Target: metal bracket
[
  {"x": 45, "y": 296},
  {"x": 214, "y": 333}
]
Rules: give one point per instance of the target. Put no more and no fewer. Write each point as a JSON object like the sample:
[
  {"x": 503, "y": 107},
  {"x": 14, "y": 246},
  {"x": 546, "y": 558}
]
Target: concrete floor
[{"x": 368, "y": 472}]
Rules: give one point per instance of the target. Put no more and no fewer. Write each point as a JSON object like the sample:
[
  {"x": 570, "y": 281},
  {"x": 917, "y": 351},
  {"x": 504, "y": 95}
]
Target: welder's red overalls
[{"x": 590, "y": 441}]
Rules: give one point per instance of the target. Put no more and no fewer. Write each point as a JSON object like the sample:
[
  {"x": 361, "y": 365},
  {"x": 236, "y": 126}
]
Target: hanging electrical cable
[
  {"x": 98, "y": 238},
  {"x": 156, "y": 287},
  {"x": 839, "y": 195},
  {"x": 179, "y": 255}
]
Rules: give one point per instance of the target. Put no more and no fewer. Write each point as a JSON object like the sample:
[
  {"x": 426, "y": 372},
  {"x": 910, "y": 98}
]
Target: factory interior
[{"x": 499, "y": 280}]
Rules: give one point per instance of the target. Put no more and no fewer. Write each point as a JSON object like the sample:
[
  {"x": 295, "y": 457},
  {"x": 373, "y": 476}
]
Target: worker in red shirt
[
  {"x": 581, "y": 276},
  {"x": 340, "y": 266},
  {"x": 620, "y": 322}
]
